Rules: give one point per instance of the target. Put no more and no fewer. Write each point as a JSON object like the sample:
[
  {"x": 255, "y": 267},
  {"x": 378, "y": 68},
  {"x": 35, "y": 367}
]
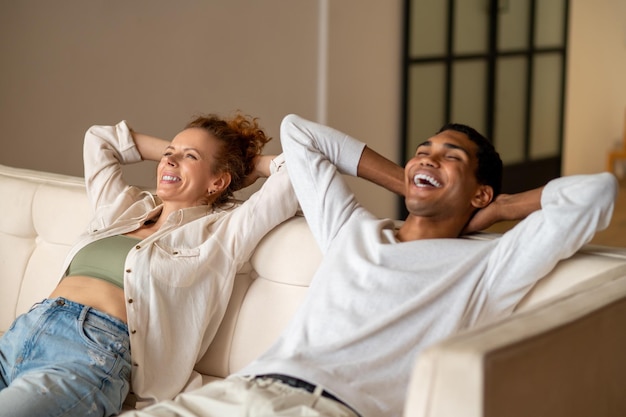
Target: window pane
[
  {"x": 426, "y": 103},
  {"x": 513, "y": 25},
  {"x": 429, "y": 28},
  {"x": 550, "y": 18},
  {"x": 510, "y": 109},
  {"x": 471, "y": 26},
  {"x": 546, "y": 106},
  {"x": 468, "y": 94}
]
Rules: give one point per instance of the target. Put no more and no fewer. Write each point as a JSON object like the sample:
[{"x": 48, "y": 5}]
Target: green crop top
[{"x": 103, "y": 259}]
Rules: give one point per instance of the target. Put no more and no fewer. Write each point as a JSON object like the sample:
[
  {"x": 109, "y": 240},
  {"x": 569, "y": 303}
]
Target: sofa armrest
[{"x": 560, "y": 358}]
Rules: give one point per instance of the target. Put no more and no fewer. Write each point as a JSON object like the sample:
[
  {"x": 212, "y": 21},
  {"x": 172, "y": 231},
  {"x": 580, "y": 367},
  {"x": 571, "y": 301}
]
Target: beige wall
[
  {"x": 596, "y": 84},
  {"x": 69, "y": 64},
  {"x": 364, "y": 83},
  {"x": 72, "y": 63}
]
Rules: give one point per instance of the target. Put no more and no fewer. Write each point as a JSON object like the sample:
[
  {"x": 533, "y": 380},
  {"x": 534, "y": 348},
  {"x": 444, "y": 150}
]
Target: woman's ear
[
  {"x": 222, "y": 182},
  {"x": 483, "y": 196}
]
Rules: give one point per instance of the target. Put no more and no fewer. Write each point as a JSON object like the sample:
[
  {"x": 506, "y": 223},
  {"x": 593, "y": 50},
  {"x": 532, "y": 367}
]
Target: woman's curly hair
[{"x": 242, "y": 140}]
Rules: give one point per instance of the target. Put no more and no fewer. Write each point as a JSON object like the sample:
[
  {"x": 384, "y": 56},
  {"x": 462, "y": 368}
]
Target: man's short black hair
[{"x": 489, "y": 170}]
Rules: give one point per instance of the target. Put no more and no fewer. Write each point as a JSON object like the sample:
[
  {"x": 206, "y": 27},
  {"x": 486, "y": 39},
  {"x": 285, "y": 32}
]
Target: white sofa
[{"x": 563, "y": 353}]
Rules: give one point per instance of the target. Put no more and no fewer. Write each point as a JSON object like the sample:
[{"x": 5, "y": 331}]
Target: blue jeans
[{"x": 64, "y": 359}]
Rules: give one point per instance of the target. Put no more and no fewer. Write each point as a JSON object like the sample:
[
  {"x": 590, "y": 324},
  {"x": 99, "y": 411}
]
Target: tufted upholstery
[
  {"x": 480, "y": 373},
  {"x": 41, "y": 217}
]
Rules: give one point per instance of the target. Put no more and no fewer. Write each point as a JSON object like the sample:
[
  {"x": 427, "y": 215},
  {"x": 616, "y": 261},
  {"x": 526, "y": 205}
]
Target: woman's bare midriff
[{"x": 93, "y": 292}]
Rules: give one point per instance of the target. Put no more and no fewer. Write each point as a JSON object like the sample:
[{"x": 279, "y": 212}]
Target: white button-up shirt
[{"x": 178, "y": 281}]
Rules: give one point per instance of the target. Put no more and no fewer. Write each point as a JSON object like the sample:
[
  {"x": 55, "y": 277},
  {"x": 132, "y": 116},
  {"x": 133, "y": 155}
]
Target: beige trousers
[{"x": 246, "y": 397}]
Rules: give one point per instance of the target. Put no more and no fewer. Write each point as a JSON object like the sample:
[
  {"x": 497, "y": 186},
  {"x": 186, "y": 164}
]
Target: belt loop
[
  {"x": 318, "y": 391},
  {"x": 83, "y": 314}
]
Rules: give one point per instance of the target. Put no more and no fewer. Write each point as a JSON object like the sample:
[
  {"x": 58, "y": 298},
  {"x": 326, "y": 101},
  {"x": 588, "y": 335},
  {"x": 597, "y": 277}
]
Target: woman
[{"x": 152, "y": 275}]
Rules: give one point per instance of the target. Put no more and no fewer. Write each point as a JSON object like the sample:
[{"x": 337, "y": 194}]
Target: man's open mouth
[{"x": 423, "y": 180}]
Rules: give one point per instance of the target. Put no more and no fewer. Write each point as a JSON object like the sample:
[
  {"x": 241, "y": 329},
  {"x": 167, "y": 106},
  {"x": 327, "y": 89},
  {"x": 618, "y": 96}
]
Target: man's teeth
[
  {"x": 169, "y": 178},
  {"x": 423, "y": 180}
]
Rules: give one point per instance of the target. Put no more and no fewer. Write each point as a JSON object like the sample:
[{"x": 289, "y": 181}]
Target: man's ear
[{"x": 483, "y": 196}]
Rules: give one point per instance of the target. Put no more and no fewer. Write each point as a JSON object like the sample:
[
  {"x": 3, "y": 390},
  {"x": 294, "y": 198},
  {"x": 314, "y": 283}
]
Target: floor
[{"x": 614, "y": 235}]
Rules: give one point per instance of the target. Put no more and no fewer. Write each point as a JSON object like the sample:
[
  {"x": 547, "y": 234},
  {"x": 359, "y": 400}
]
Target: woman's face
[{"x": 185, "y": 170}]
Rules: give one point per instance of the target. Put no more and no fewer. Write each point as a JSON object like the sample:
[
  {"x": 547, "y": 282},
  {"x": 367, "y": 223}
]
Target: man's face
[{"x": 440, "y": 179}]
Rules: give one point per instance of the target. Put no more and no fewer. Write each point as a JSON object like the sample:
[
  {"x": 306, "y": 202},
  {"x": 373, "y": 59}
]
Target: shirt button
[
  {"x": 133, "y": 331},
  {"x": 128, "y": 270},
  {"x": 130, "y": 300},
  {"x": 138, "y": 247}
]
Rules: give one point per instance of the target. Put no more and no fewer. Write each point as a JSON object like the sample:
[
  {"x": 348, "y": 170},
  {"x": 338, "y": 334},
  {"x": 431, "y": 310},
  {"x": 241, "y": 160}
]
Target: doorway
[{"x": 496, "y": 65}]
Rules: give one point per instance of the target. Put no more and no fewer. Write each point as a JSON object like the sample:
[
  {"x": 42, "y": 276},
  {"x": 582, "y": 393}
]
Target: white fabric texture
[
  {"x": 375, "y": 302},
  {"x": 247, "y": 397},
  {"x": 178, "y": 281}
]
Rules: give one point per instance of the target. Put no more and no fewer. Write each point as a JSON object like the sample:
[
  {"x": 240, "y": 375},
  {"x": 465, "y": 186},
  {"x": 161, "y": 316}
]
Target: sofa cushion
[
  {"x": 42, "y": 215},
  {"x": 264, "y": 298}
]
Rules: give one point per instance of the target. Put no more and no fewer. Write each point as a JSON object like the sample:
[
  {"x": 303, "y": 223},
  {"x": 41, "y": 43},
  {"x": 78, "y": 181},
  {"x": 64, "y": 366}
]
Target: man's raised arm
[{"x": 381, "y": 171}]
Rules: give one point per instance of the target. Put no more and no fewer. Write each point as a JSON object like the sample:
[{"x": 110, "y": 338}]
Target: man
[{"x": 382, "y": 294}]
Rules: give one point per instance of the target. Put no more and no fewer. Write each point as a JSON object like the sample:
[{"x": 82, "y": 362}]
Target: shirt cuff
[{"x": 277, "y": 163}]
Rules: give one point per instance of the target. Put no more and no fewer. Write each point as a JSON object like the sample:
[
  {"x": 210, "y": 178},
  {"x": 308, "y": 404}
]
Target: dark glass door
[{"x": 496, "y": 65}]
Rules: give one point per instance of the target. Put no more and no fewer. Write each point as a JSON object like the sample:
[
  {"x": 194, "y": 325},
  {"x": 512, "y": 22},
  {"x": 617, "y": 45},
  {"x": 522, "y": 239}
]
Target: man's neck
[{"x": 416, "y": 228}]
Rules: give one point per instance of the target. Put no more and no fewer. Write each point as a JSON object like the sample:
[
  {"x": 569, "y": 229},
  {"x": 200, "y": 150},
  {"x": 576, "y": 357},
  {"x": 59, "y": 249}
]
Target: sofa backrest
[
  {"x": 266, "y": 295},
  {"x": 270, "y": 289},
  {"x": 44, "y": 213}
]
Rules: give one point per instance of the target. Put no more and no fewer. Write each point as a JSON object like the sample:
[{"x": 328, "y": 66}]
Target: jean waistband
[{"x": 84, "y": 311}]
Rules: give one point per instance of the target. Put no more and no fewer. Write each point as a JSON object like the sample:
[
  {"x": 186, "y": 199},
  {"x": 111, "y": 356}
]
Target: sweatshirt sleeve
[
  {"x": 316, "y": 156},
  {"x": 573, "y": 209},
  {"x": 105, "y": 150}
]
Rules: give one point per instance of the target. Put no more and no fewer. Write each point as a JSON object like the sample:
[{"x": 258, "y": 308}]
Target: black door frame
[{"x": 529, "y": 173}]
